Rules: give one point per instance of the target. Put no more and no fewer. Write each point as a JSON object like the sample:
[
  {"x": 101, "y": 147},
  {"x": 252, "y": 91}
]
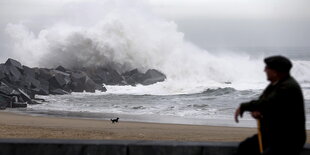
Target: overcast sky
[
  {"x": 207, "y": 23},
  {"x": 233, "y": 23}
]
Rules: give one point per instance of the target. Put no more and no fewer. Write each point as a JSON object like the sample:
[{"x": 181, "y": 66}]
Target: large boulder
[
  {"x": 29, "y": 72},
  {"x": 14, "y": 63},
  {"x": 5, "y": 89},
  {"x": 102, "y": 75},
  {"x": 56, "y": 81},
  {"x": 89, "y": 85},
  {"x": 61, "y": 68},
  {"x": 64, "y": 75},
  {"x": 23, "y": 82},
  {"x": 34, "y": 83},
  {"x": 25, "y": 96},
  {"x": 153, "y": 76},
  {"x": 42, "y": 89},
  {"x": 4, "y": 101},
  {"x": 113, "y": 77},
  {"x": 43, "y": 73},
  {"x": 133, "y": 77},
  {"x": 59, "y": 79},
  {"x": 3, "y": 71},
  {"x": 82, "y": 82},
  {"x": 13, "y": 97},
  {"x": 98, "y": 74},
  {"x": 14, "y": 74},
  {"x": 78, "y": 81}
]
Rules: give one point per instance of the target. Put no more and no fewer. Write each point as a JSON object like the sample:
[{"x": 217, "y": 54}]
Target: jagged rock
[
  {"x": 44, "y": 74},
  {"x": 19, "y": 105},
  {"x": 59, "y": 79},
  {"x": 4, "y": 101},
  {"x": 98, "y": 75},
  {"x": 78, "y": 81},
  {"x": 24, "y": 84},
  {"x": 34, "y": 83},
  {"x": 10, "y": 97},
  {"x": 29, "y": 72},
  {"x": 133, "y": 77},
  {"x": 42, "y": 89},
  {"x": 152, "y": 76},
  {"x": 3, "y": 71},
  {"x": 65, "y": 75},
  {"x": 39, "y": 91},
  {"x": 30, "y": 93},
  {"x": 81, "y": 81},
  {"x": 131, "y": 73},
  {"x": 14, "y": 63},
  {"x": 58, "y": 92},
  {"x": 90, "y": 85},
  {"x": 57, "y": 82},
  {"x": 5, "y": 89},
  {"x": 61, "y": 68},
  {"x": 103, "y": 75},
  {"x": 114, "y": 78},
  {"x": 2, "y": 76},
  {"x": 15, "y": 75},
  {"x": 25, "y": 96}
]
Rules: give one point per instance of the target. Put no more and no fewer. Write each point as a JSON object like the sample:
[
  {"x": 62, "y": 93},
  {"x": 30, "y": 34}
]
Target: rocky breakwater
[{"x": 19, "y": 84}]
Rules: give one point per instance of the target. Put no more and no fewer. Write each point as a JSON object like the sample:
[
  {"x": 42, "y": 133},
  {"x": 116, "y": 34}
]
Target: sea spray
[{"x": 124, "y": 36}]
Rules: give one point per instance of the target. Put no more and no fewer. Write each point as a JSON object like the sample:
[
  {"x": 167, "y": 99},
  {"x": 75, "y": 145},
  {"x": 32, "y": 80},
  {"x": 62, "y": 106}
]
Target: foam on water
[{"x": 126, "y": 35}]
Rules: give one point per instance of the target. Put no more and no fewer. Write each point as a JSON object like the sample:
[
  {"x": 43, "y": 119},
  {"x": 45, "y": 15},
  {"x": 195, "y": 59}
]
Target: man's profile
[{"x": 280, "y": 110}]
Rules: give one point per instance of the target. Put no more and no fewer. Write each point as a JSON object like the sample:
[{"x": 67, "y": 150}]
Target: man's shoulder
[{"x": 289, "y": 83}]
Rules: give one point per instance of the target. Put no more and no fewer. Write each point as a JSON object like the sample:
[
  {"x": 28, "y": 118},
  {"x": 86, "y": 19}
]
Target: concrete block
[
  {"x": 164, "y": 149},
  {"x": 105, "y": 150},
  {"x": 106, "y": 147}
]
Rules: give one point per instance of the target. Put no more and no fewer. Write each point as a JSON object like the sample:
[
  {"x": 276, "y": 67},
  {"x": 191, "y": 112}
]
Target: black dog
[{"x": 115, "y": 120}]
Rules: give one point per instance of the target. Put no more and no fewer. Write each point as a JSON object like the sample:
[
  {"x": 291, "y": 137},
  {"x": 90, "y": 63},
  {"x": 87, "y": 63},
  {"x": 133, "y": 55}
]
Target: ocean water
[
  {"x": 170, "y": 101},
  {"x": 203, "y": 86}
]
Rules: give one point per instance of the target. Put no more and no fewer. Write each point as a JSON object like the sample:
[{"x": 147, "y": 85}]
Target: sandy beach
[{"x": 14, "y": 125}]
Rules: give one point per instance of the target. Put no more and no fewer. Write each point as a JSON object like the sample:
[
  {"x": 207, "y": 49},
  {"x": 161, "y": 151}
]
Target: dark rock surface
[
  {"x": 61, "y": 68},
  {"x": 153, "y": 76},
  {"x": 14, "y": 63},
  {"x": 19, "y": 84}
]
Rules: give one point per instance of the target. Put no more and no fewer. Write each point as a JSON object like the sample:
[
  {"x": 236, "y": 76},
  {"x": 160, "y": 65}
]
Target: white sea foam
[{"x": 127, "y": 35}]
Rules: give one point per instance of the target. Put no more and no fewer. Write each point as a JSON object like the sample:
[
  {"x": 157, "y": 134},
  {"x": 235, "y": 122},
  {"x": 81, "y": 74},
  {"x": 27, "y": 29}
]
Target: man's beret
[{"x": 278, "y": 63}]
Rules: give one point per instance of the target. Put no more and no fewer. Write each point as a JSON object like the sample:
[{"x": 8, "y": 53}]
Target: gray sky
[
  {"x": 234, "y": 23},
  {"x": 207, "y": 23}
]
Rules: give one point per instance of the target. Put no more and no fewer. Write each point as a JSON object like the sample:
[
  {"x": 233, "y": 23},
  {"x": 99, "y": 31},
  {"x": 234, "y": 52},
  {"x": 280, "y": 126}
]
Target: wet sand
[{"x": 14, "y": 125}]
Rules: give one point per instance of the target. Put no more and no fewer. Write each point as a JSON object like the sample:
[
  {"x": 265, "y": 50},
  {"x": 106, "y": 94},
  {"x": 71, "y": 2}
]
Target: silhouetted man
[{"x": 280, "y": 110}]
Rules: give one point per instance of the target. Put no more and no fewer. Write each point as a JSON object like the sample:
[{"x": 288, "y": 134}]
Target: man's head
[{"x": 277, "y": 67}]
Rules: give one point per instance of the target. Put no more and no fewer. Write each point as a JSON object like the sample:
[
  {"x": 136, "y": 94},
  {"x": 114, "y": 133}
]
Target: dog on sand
[{"x": 115, "y": 120}]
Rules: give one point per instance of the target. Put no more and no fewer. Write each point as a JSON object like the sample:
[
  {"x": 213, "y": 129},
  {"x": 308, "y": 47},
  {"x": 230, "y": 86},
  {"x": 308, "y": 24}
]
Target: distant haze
[
  {"x": 206, "y": 23},
  {"x": 234, "y": 23}
]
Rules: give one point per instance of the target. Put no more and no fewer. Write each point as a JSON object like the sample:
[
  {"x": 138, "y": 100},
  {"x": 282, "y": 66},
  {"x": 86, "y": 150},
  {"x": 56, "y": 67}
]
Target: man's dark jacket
[{"x": 283, "y": 120}]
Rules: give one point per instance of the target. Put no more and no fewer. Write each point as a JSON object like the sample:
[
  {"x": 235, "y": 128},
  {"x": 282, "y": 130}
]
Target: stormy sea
[
  {"x": 203, "y": 86},
  {"x": 185, "y": 99}
]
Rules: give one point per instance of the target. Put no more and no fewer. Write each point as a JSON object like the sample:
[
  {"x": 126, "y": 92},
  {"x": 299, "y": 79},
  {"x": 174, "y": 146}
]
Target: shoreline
[{"x": 13, "y": 125}]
